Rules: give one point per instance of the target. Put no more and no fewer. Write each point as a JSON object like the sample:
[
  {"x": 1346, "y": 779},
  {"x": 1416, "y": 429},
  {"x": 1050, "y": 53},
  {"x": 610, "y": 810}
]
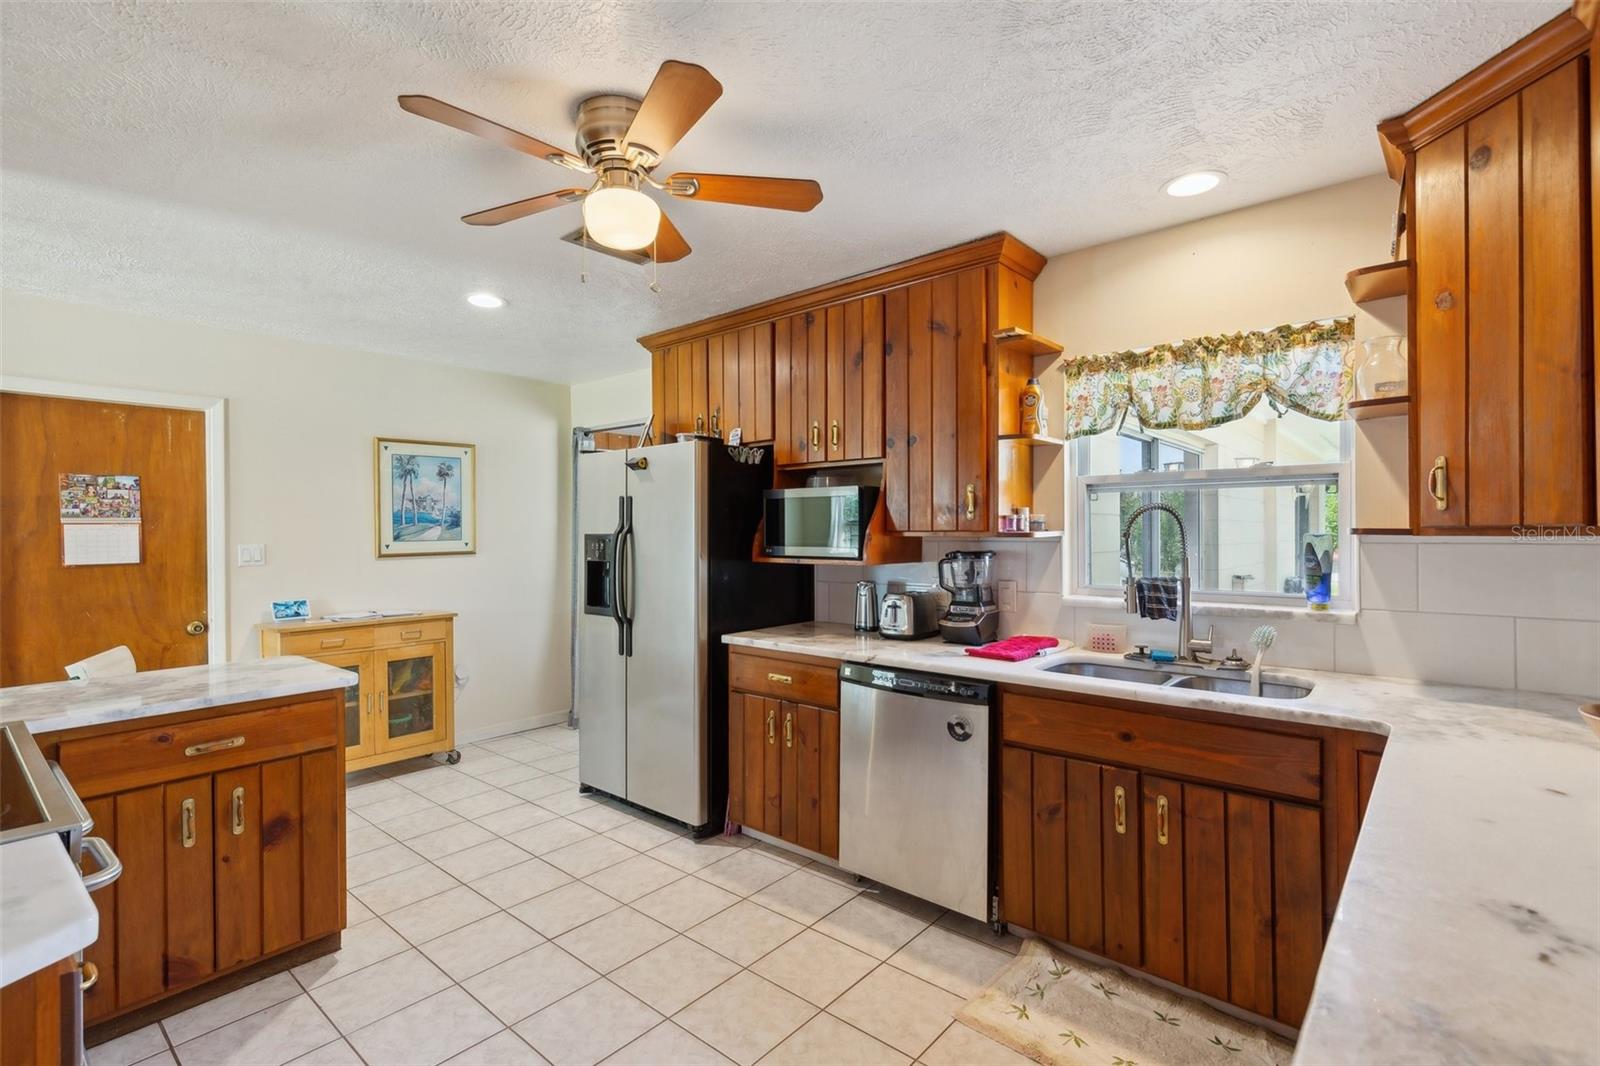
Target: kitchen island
[
  {"x": 220, "y": 789},
  {"x": 1468, "y": 925}
]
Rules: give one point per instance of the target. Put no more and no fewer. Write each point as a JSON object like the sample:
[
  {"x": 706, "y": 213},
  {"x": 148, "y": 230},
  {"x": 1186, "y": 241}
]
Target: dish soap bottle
[{"x": 1034, "y": 418}]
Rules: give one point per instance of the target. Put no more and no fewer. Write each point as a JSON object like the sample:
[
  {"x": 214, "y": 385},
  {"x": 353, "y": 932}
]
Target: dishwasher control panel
[{"x": 916, "y": 684}]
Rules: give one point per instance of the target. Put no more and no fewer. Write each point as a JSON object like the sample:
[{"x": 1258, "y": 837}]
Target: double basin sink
[{"x": 1156, "y": 676}]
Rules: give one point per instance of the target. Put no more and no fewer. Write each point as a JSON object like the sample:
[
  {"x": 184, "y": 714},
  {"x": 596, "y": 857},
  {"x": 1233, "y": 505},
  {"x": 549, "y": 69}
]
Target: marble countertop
[
  {"x": 1468, "y": 928},
  {"x": 45, "y": 912},
  {"x": 59, "y": 705}
]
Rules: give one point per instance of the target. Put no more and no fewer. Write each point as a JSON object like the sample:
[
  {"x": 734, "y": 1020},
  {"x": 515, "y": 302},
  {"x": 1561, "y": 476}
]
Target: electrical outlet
[
  {"x": 252, "y": 555},
  {"x": 1007, "y": 595}
]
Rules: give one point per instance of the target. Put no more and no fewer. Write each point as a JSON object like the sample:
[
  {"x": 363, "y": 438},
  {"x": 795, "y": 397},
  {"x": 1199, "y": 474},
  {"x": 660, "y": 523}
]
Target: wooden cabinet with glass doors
[{"x": 401, "y": 705}]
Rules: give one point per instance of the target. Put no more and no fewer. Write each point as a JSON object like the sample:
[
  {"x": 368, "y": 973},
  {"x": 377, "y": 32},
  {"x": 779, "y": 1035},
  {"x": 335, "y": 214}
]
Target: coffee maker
[{"x": 971, "y": 617}]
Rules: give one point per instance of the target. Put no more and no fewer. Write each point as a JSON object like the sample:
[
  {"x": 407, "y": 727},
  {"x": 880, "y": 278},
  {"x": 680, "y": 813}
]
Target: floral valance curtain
[{"x": 1206, "y": 381}]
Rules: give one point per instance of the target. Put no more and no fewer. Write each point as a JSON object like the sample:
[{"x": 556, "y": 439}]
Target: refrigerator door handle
[
  {"x": 624, "y": 585},
  {"x": 616, "y": 569}
]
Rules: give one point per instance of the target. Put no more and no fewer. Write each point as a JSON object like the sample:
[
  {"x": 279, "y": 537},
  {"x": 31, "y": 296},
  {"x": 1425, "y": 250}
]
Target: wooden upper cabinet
[
  {"x": 898, "y": 366},
  {"x": 1503, "y": 378},
  {"x": 714, "y": 385}
]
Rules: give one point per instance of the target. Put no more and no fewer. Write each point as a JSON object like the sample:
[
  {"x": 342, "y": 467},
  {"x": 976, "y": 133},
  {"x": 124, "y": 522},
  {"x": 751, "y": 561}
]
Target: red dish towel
[{"x": 1014, "y": 649}]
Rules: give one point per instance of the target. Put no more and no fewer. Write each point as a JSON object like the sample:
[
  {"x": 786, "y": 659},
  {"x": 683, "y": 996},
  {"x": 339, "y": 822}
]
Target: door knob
[{"x": 195, "y": 628}]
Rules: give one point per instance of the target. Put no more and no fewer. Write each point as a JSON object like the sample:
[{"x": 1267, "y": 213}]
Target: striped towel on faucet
[{"x": 1158, "y": 597}]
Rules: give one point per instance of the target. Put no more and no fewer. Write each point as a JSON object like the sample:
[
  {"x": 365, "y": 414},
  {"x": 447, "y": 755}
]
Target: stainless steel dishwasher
[{"x": 914, "y": 784}]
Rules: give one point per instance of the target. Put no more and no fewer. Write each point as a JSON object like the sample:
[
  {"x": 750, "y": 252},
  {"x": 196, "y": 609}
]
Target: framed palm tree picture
[{"x": 426, "y": 497}]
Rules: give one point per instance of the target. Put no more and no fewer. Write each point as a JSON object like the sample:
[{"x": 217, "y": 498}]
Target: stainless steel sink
[
  {"x": 1112, "y": 672},
  {"x": 1240, "y": 686}
]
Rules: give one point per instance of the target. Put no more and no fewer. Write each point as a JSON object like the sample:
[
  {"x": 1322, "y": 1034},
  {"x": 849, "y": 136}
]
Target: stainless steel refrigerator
[{"x": 665, "y": 537}]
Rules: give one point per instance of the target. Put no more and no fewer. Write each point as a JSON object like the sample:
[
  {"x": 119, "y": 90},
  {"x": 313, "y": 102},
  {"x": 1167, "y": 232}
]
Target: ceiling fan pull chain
[
  {"x": 583, "y": 259},
  {"x": 655, "y": 263}
]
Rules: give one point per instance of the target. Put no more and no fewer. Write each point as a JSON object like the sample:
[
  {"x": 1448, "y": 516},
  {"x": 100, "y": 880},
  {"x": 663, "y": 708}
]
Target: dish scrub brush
[{"x": 1260, "y": 640}]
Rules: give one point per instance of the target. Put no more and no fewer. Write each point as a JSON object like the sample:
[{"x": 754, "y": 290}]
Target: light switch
[
  {"x": 252, "y": 555},
  {"x": 1007, "y": 595}
]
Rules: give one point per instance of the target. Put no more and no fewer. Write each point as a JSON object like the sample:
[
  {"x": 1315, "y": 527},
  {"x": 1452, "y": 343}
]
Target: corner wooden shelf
[
  {"x": 1380, "y": 282},
  {"x": 1028, "y": 343},
  {"x": 1033, "y": 440},
  {"x": 1383, "y": 407}
]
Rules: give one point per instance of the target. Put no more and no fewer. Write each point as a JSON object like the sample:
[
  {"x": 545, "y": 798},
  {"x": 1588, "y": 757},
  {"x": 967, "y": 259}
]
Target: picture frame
[{"x": 425, "y": 498}]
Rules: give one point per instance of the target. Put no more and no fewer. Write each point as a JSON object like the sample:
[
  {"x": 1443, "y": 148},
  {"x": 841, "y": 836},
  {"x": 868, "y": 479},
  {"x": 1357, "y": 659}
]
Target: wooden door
[
  {"x": 53, "y": 614},
  {"x": 321, "y": 843},
  {"x": 716, "y": 403},
  {"x": 190, "y": 896},
  {"x": 1205, "y": 890},
  {"x": 810, "y": 805},
  {"x": 1439, "y": 397},
  {"x": 412, "y": 689},
  {"x": 281, "y": 866},
  {"x": 1558, "y": 387},
  {"x": 835, "y": 414},
  {"x": 1296, "y": 906},
  {"x": 755, "y": 381},
  {"x": 236, "y": 817},
  {"x": 787, "y": 434},
  {"x": 39, "y": 1018},
  {"x": 1122, "y": 892},
  {"x": 755, "y": 762},
  {"x": 816, "y": 385},
  {"x": 663, "y": 392},
  {"x": 1161, "y": 817},
  {"x": 855, "y": 379},
  {"x": 360, "y": 703},
  {"x": 141, "y": 897},
  {"x": 936, "y": 441}
]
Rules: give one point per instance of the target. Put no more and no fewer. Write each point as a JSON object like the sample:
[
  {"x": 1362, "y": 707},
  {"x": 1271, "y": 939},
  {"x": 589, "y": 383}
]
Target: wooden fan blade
[
  {"x": 523, "y": 208},
  {"x": 467, "y": 122},
  {"x": 785, "y": 194},
  {"x": 679, "y": 95},
  {"x": 670, "y": 245}
]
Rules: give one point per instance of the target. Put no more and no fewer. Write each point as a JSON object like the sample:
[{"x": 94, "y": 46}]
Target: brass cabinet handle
[
  {"x": 1161, "y": 819},
  {"x": 833, "y": 434},
  {"x": 333, "y": 642},
  {"x": 771, "y": 717},
  {"x": 780, "y": 679},
  {"x": 716, "y": 422},
  {"x": 816, "y": 435},
  {"x": 213, "y": 745},
  {"x": 1120, "y": 804},
  {"x": 88, "y": 976},
  {"x": 1439, "y": 484},
  {"x": 788, "y": 730},
  {"x": 238, "y": 811},
  {"x": 186, "y": 823},
  {"x": 972, "y": 499},
  {"x": 699, "y": 423}
]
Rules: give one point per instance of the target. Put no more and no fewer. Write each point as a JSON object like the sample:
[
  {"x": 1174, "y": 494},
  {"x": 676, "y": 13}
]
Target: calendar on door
[{"x": 101, "y": 519}]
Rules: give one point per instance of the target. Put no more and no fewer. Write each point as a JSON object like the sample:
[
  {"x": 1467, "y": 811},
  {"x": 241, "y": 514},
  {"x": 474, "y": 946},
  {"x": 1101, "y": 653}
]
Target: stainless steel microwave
[{"x": 826, "y": 522}]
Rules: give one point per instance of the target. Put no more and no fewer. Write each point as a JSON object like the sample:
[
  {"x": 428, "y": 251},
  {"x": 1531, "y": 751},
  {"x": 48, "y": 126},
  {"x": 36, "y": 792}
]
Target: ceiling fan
[{"x": 620, "y": 142}]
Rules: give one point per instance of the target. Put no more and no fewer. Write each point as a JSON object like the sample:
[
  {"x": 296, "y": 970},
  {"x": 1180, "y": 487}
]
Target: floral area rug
[{"x": 1058, "y": 1008}]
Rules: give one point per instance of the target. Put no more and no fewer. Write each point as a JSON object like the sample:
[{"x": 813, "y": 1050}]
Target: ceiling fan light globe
[{"x": 621, "y": 218}]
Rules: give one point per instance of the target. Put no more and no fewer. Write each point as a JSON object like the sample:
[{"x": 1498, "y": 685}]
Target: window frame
[{"x": 1078, "y": 486}]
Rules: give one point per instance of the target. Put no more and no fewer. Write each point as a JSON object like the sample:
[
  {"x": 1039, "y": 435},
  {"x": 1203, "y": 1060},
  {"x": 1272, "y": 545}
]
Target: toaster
[{"x": 908, "y": 615}]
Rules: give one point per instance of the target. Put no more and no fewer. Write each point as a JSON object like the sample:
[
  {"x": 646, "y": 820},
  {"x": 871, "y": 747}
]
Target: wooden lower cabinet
[
  {"x": 1209, "y": 885},
  {"x": 783, "y": 770},
  {"x": 39, "y": 1019},
  {"x": 228, "y": 855},
  {"x": 402, "y": 704}
]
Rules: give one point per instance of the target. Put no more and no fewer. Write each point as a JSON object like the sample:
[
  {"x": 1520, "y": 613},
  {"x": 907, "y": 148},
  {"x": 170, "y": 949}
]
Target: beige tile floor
[{"x": 497, "y": 916}]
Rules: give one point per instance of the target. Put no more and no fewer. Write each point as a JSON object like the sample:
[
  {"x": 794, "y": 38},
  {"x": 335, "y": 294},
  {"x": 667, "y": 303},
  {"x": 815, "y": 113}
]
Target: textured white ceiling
[{"x": 245, "y": 164}]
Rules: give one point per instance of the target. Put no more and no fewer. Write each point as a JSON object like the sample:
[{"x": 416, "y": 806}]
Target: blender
[{"x": 971, "y": 617}]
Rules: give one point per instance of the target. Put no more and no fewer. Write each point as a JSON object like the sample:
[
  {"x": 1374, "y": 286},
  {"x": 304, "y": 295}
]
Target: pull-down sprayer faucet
[{"x": 1189, "y": 649}]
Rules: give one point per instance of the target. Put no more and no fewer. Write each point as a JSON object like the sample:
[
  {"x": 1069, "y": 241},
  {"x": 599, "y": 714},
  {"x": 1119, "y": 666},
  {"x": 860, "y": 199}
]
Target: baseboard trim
[{"x": 502, "y": 729}]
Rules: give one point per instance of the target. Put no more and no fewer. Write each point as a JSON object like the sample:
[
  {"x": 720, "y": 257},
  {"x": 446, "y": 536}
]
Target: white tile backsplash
[
  {"x": 1389, "y": 576},
  {"x": 1522, "y": 579},
  {"x": 1457, "y": 648},
  {"x": 1559, "y": 656},
  {"x": 1493, "y": 612}
]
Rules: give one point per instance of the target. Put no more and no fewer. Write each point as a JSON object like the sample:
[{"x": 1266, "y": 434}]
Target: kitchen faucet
[{"x": 1189, "y": 650}]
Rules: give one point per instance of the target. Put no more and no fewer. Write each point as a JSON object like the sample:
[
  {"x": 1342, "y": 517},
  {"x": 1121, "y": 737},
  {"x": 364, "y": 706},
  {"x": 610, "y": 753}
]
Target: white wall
[
  {"x": 301, "y": 418},
  {"x": 1473, "y": 611},
  {"x": 608, "y": 401}
]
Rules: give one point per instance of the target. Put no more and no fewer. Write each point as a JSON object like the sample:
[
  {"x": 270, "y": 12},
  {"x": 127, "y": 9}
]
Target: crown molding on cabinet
[{"x": 1000, "y": 248}]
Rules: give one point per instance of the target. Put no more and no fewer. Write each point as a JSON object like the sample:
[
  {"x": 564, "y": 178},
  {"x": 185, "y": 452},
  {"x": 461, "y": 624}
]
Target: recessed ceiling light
[
  {"x": 1193, "y": 184},
  {"x": 484, "y": 299}
]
